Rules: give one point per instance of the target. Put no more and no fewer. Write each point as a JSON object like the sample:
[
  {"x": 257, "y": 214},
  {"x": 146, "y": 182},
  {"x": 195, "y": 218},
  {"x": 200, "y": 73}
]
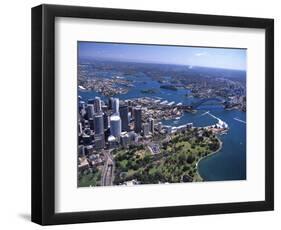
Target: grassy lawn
[
  {"x": 178, "y": 158},
  {"x": 89, "y": 179}
]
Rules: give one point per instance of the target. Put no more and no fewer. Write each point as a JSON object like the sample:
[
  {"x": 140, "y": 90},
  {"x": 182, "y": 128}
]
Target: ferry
[{"x": 81, "y": 88}]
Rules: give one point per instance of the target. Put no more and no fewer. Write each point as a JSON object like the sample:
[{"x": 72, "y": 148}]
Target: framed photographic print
[{"x": 141, "y": 114}]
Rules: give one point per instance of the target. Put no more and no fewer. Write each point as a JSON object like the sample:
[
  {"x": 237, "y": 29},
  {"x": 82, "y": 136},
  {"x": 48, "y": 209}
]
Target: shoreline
[{"x": 209, "y": 155}]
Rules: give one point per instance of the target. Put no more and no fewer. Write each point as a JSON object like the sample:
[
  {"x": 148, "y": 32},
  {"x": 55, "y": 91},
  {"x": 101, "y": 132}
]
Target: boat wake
[
  {"x": 237, "y": 119},
  {"x": 203, "y": 114}
]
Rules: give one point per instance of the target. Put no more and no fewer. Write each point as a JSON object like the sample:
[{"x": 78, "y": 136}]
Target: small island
[
  {"x": 170, "y": 87},
  {"x": 149, "y": 91}
]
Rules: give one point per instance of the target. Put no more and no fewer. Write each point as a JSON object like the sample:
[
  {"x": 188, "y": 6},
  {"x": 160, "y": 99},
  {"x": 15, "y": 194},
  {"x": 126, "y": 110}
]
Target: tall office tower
[
  {"x": 81, "y": 105},
  {"x": 124, "y": 139},
  {"x": 112, "y": 142},
  {"x": 110, "y": 102},
  {"x": 145, "y": 129},
  {"x": 159, "y": 126},
  {"x": 98, "y": 123},
  {"x": 104, "y": 108},
  {"x": 132, "y": 136},
  {"x": 91, "y": 123},
  {"x": 97, "y": 105},
  {"x": 92, "y": 134},
  {"x": 137, "y": 116},
  {"x": 83, "y": 113},
  {"x": 115, "y": 125},
  {"x": 87, "y": 140},
  {"x": 86, "y": 124},
  {"x": 151, "y": 125},
  {"x": 115, "y": 106},
  {"x": 124, "y": 115},
  {"x": 80, "y": 128},
  {"x": 79, "y": 116},
  {"x": 90, "y": 111},
  {"x": 130, "y": 103},
  {"x": 129, "y": 117},
  {"x": 99, "y": 141},
  {"x": 105, "y": 121}
]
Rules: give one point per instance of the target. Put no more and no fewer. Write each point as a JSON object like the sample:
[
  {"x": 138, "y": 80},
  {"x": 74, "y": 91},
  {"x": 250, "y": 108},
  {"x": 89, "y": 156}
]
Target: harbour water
[{"x": 230, "y": 162}]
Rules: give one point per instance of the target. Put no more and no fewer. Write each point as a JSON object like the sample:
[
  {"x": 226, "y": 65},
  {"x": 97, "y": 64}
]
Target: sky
[{"x": 180, "y": 55}]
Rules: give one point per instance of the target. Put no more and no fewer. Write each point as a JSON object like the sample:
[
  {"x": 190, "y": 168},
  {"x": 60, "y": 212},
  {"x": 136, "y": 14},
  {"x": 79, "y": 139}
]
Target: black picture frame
[{"x": 43, "y": 114}]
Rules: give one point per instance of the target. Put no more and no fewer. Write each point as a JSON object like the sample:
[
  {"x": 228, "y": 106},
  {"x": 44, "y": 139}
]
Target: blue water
[
  {"x": 230, "y": 162},
  {"x": 140, "y": 82}
]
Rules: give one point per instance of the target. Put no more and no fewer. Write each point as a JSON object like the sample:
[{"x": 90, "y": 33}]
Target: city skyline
[
  {"x": 225, "y": 58},
  {"x": 159, "y": 124}
]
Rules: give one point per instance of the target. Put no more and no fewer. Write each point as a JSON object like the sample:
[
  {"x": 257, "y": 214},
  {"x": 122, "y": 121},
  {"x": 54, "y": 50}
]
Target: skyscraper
[
  {"x": 87, "y": 140},
  {"x": 105, "y": 121},
  {"x": 99, "y": 141},
  {"x": 124, "y": 139},
  {"x": 115, "y": 106},
  {"x": 98, "y": 123},
  {"x": 115, "y": 125},
  {"x": 145, "y": 129},
  {"x": 138, "y": 122},
  {"x": 90, "y": 111},
  {"x": 159, "y": 126},
  {"x": 110, "y": 102},
  {"x": 91, "y": 123},
  {"x": 151, "y": 125},
  {"x": 112, "y": 142},
  {"x": 124, "y": 115},
  {"x": 81, "y": 105},
  {"x": 97, "y": 105},
  {"x": 80, "y": 128}
]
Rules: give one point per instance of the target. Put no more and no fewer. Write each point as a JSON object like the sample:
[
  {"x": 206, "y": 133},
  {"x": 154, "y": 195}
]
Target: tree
[
  {"x": 190, "y": 159},
  {"x": 186, "y": 168},
  {"x": 182, "y": 157},
  {"x": 147, "y": 158},
  {"x": 165, "y": 145}
]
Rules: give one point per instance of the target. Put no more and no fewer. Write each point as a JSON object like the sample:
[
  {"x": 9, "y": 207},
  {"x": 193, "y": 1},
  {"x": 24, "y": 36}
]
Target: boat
[{"x": 81, "y": 87}]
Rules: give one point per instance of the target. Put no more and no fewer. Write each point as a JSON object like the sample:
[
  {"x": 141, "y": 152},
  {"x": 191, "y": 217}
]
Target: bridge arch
[{"x": 204, "y": 100}]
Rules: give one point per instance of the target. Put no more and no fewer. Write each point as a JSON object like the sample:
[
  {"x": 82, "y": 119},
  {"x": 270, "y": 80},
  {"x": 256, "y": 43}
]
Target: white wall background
[{"x": 15, "y": 113}]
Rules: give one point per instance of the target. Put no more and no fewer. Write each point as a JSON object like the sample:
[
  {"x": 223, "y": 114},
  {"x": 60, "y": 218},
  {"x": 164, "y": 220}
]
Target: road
[{"x": 107, "y": 177}]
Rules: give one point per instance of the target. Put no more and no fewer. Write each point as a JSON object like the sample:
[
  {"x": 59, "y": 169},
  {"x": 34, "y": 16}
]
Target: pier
[{"x": 221, "y": 123}]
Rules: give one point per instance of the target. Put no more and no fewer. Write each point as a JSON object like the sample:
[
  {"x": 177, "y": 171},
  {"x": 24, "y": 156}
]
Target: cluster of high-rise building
[{"x": 111, "y": 124}]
